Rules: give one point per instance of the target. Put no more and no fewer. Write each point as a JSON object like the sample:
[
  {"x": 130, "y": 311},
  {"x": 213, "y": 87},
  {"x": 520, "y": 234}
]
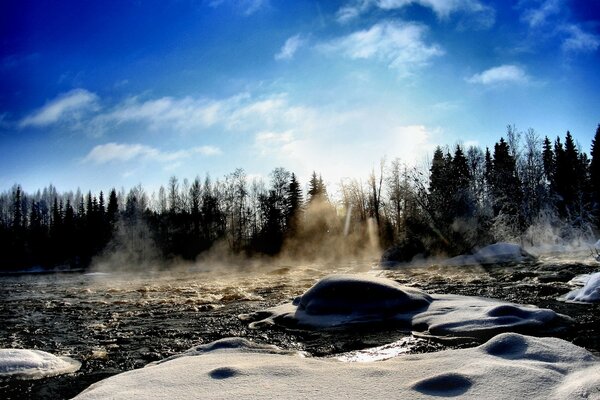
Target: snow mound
[
  {"x": 341, "y": 301},
  {"x": 34, "y": 364},
  {"x": 589, "y": 293},
  {"x": 497, "y": 253},
  {"x": 508, "y": 366},
  {"x": 348, "y": 294}
]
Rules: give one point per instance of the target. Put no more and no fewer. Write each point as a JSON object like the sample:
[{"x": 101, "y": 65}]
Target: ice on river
[
  {"x": 340, "y": 301},
  {"x": 496, "y": 253},
  {"x": 34, "y": 364},
  {"x": 508, "y": 366},
  {"x": 589, "y": 293}
]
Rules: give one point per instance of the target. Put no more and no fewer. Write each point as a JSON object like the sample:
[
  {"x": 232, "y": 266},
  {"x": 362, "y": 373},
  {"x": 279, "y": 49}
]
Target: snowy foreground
[
  {"x": 509, "y": 366},
  {"x": 345, "y": 300},
  {"x": 34, "y": 364}
]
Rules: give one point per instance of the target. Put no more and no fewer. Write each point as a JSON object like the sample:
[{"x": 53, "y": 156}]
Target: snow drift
[
  {"x": 508, "y": 366},
  {"x": 340, "y": 301},
  {"x": 589, "y": 293},
  {"x": 34, "y": 364}
]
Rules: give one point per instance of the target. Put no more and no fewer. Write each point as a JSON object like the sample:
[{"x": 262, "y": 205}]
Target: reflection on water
[{"x": 113, "y": 322}]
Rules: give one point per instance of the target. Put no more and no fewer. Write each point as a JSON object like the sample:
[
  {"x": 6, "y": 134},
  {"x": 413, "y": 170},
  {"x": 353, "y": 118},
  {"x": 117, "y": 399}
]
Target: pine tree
[
  {"x": 505, "y": 184},
  {"x": 316, "y": 188},
  {"x": 595, "y": 174},
  {"x": 548, "y": 160},
  {"x": 17, "y": 209},
  {"x": 294, "y": 203}
]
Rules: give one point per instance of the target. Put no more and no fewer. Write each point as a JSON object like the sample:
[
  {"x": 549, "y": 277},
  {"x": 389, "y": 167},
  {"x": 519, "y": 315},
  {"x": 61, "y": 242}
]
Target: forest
[{"x": 525, "y": 189}]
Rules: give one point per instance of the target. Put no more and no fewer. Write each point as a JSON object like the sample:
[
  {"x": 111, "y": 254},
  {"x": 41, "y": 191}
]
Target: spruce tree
[{"x": 595, "y": 171}]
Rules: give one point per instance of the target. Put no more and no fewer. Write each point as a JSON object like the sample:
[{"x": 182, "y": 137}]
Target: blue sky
[{"x": 102, "y": 94}]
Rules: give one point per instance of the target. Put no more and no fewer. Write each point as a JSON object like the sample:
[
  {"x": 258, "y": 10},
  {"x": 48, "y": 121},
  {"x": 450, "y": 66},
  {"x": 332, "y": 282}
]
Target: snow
[
  {"x": 589, "y": 293},
  {"x": 341, "y": 301},
  {"x": 34, "y": 364},
  {"x": 496, "y": 253},
  {"x": 509, "y": 366}
]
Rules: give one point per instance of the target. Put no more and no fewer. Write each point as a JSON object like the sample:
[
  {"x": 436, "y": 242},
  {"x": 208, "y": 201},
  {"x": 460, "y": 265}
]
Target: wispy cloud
[
  {"x": 442, "y": 8},
  {"x": 123, "y": 152},
  {"x": 290, "y": 47},
  {"x": 401, "y": 45},
  {"x": 502, "y": 74},
  {"x": 538, "y": 16},
  {"x": 269, "y": 142},
  {"x": 579, "y": 41},
  {"x": 180, "y": 115},
  {"x": 247, "y": 7},
  {"x": 71, "y": 105}
]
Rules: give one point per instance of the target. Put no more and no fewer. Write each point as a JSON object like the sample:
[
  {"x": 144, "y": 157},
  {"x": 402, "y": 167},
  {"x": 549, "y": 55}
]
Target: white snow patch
[
  {"x": 340, "y": 301},
  {"x": 34, "y": 364},
  {"x": 589, "y": 293},
  {"x": 509, "y": 366},
  {"x": 496, "y": 253}
]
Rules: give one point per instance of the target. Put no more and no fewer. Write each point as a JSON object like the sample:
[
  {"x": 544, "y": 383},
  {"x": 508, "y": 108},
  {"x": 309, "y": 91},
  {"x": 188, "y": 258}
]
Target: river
[{"x": 117, "y": 321}]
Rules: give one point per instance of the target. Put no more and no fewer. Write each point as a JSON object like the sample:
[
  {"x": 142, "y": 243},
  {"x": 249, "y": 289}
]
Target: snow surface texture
[
  {"x": 509, "y": 366},
  {"x": 589, "y": 293},
  {"x": 340, "y": 301},
  {"x": 497, "y": 253},
  {"x": 34, "y": 364}
]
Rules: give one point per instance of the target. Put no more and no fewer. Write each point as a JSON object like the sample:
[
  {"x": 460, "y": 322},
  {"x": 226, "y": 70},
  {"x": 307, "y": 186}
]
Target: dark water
[{"x": 118, "y": 322}]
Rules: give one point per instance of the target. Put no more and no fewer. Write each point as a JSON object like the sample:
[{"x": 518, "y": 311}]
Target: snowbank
[
  {"x": 509, "y": 366},
  {"x": 496, "y": 253},
  {"x": 34, "y": 364},
  {"x": 345, "y": 300},
  {"x": 589, "y": 293}
]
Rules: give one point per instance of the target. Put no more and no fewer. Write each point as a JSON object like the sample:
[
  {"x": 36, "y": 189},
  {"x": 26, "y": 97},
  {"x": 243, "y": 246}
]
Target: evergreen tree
[
  {"x": 505, "y": 184},
  {"x": 595, "y": 174},
  {"x": 548, "y": 160},
  {"x": 294, "y": 203},
  {"x": 112, "y": 209},
  {"x": 316, "y": 188},
  {"x": 17, "y": 209}
]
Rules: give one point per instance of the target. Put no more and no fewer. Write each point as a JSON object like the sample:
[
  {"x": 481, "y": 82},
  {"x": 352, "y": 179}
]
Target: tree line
[{"x": 524, "y": 189}]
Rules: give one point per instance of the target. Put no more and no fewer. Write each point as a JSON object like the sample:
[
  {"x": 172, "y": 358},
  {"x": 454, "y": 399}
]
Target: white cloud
[
  {"x": 274, "y": 142},
  {"x": 538, "y": 16},
  {"x": 70, "y": 105},
  {"x": 578, "y": 41},
  {"x": 290, "y": 47},
  {"x": 500, "y": 75},
  {"x": 247, "y": 7},
  {"x": 122, "y": 152},
  {"x": 399, "y": 44},
  {"x": 442, "y": 8}
]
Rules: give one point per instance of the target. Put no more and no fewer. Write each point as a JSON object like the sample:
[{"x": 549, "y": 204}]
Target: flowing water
[{"x": 114, "y": 322}]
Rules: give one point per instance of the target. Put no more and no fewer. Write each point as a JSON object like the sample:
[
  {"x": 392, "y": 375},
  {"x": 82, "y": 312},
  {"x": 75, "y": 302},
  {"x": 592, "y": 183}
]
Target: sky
[{"x": 103, "y": 94}]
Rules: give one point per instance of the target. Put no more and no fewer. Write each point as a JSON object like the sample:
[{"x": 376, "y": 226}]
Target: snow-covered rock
[
  {"x": 589, "y": 293},
  {"x": 340, "y": 301},
  {"x": 34, "y": 364},
  {"x": 496, "y": 253},
  {"x": 509, "y": 366}
]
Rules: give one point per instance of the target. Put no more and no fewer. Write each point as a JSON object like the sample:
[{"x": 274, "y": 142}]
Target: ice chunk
[
  {"x": 34, "y": 364},
  {"x": 509, "y": 366},
  {"x": 589, "y": 293},
  {"x": 340, "y": 301},
  {"x": 496, "y": 253}
]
